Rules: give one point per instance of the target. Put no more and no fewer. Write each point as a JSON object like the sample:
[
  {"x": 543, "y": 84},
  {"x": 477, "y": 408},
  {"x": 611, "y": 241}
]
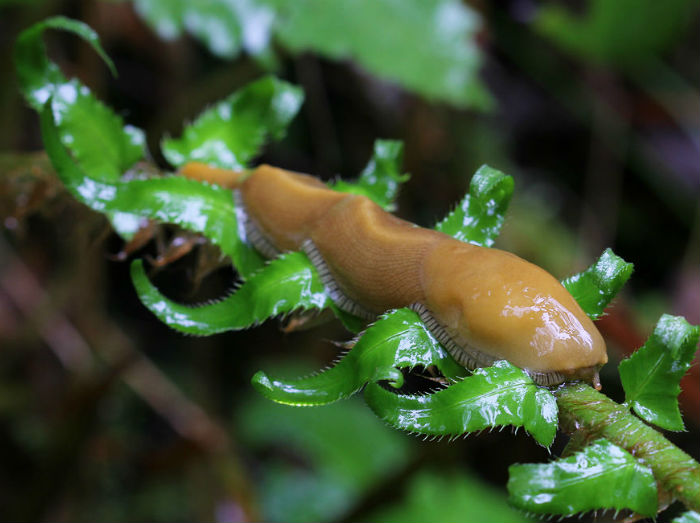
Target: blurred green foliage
[
  {"x": 134, "y": 464},
  {"x": 428, "y": 47},
  {"x": 462, "y": 497},
  {"x": 327, "y": 478},
  {"x": 627, "y": 34}
]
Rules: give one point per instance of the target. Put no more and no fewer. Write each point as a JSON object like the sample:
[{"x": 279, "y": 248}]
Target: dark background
[{"x": 106, "y": 414}]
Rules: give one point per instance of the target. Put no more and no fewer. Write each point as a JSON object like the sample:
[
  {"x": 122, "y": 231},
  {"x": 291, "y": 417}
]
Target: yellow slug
[{"x": 482, "y": 304}]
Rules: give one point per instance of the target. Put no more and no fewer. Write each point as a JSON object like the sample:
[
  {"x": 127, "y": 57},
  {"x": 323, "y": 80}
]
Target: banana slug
[{"x": 482, "y": 304}]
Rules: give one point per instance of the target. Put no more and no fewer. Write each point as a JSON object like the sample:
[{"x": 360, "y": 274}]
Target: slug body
[{"x": 482, "y": 304}]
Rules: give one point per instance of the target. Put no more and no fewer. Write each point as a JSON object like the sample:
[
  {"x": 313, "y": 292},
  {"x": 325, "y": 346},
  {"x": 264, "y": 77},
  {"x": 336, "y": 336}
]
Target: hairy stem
[{"x": 583, "y": 409}]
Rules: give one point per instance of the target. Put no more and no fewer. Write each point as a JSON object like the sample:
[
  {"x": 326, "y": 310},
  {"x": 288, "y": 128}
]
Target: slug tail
[{"x": 202, "y": 172}]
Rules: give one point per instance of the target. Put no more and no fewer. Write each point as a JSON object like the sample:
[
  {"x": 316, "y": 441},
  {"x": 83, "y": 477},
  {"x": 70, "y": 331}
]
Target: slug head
[{"x": 495, "y": 303}]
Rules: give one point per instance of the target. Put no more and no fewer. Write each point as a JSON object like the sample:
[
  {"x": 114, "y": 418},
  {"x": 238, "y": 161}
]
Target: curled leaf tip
[
  {"x": 479, "y": 216},
  {"x": 496, "y": 396},
  {"x": 596, "y": 287},
  {"x": 262, "y": 383}
]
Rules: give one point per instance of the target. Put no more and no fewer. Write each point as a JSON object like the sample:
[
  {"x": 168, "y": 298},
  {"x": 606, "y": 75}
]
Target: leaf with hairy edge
[
  {"x": 601, "y": 476},
  {"x": 230, "y": 134},
  {"x": 479, "y": 216},
  {"x": 38, "y": 76},
  {"x": 286, "y": 284},
  {"x": 101, "y": 144},
  {"x": 96, "y": 136},
  {"x": 651, "y": 376},
  {"x": 381, "y": 178},
  {"x": 596, "y": 287},
  {"x": 397, "y": 340},
  {"x": 192, "y": 205},
  {"x": 687, "y": 517},
  {"x": 494, "y": 396}
]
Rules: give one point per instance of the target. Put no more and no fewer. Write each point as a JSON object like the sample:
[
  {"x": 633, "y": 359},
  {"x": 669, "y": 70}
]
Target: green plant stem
[{"x": 583, "y": 409}]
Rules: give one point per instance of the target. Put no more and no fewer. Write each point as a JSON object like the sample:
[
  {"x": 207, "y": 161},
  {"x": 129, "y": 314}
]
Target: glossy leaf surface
[
  {"x": 687, "y": 517},
  {"x": 601, "y": 476},
  {"x": 441, "y": 63},
  {"x": 231, "y": 133},
  {"x": 596, "y": 287},
  {"x": 479, "y": 216},
  {"x": 397, "y": 340},
  {"x": 494, "y": 396},
  {"x": 651, "y": 376},
  {"x": 192, "y": 205},
  {"x": 95, "y": 134},
  {"x": 288, "y": 283},
  {"x": 38, "y": 76},
  {"x": 381, "y": 178}
]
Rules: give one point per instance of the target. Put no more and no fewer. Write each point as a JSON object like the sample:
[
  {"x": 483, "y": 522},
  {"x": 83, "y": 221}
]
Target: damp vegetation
[{"x": 617, "y": 458}]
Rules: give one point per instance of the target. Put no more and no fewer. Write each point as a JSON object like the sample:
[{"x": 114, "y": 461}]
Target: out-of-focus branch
[{"x": 78, "y": 348}]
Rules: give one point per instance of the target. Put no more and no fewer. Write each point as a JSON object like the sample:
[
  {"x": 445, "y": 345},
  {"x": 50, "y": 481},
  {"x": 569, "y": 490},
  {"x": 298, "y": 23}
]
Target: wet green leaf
[
  {"x": 101, "y": 144},
  {"x": 687, "y": 517},
  {"x": 399, "y": 339},
  {"x": 192, "y": 205},
  {"x": 38, "y": 76},
  {"x": 596, "y": 287},
  {"x": 381, "y": 179},
  {"x": 623, "y": 33},
  {"x": 96, "y": 136},
  {"x": 429, "y": 48},
  {"x": 494, "y": 396},
  {"x": 479, "y": 216},
  {"x": 651, "y": 376},
  {"x": 288, "y": 283},
  {"x": 231, "y": 133},
  {"x": 601, "y": 476}
]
